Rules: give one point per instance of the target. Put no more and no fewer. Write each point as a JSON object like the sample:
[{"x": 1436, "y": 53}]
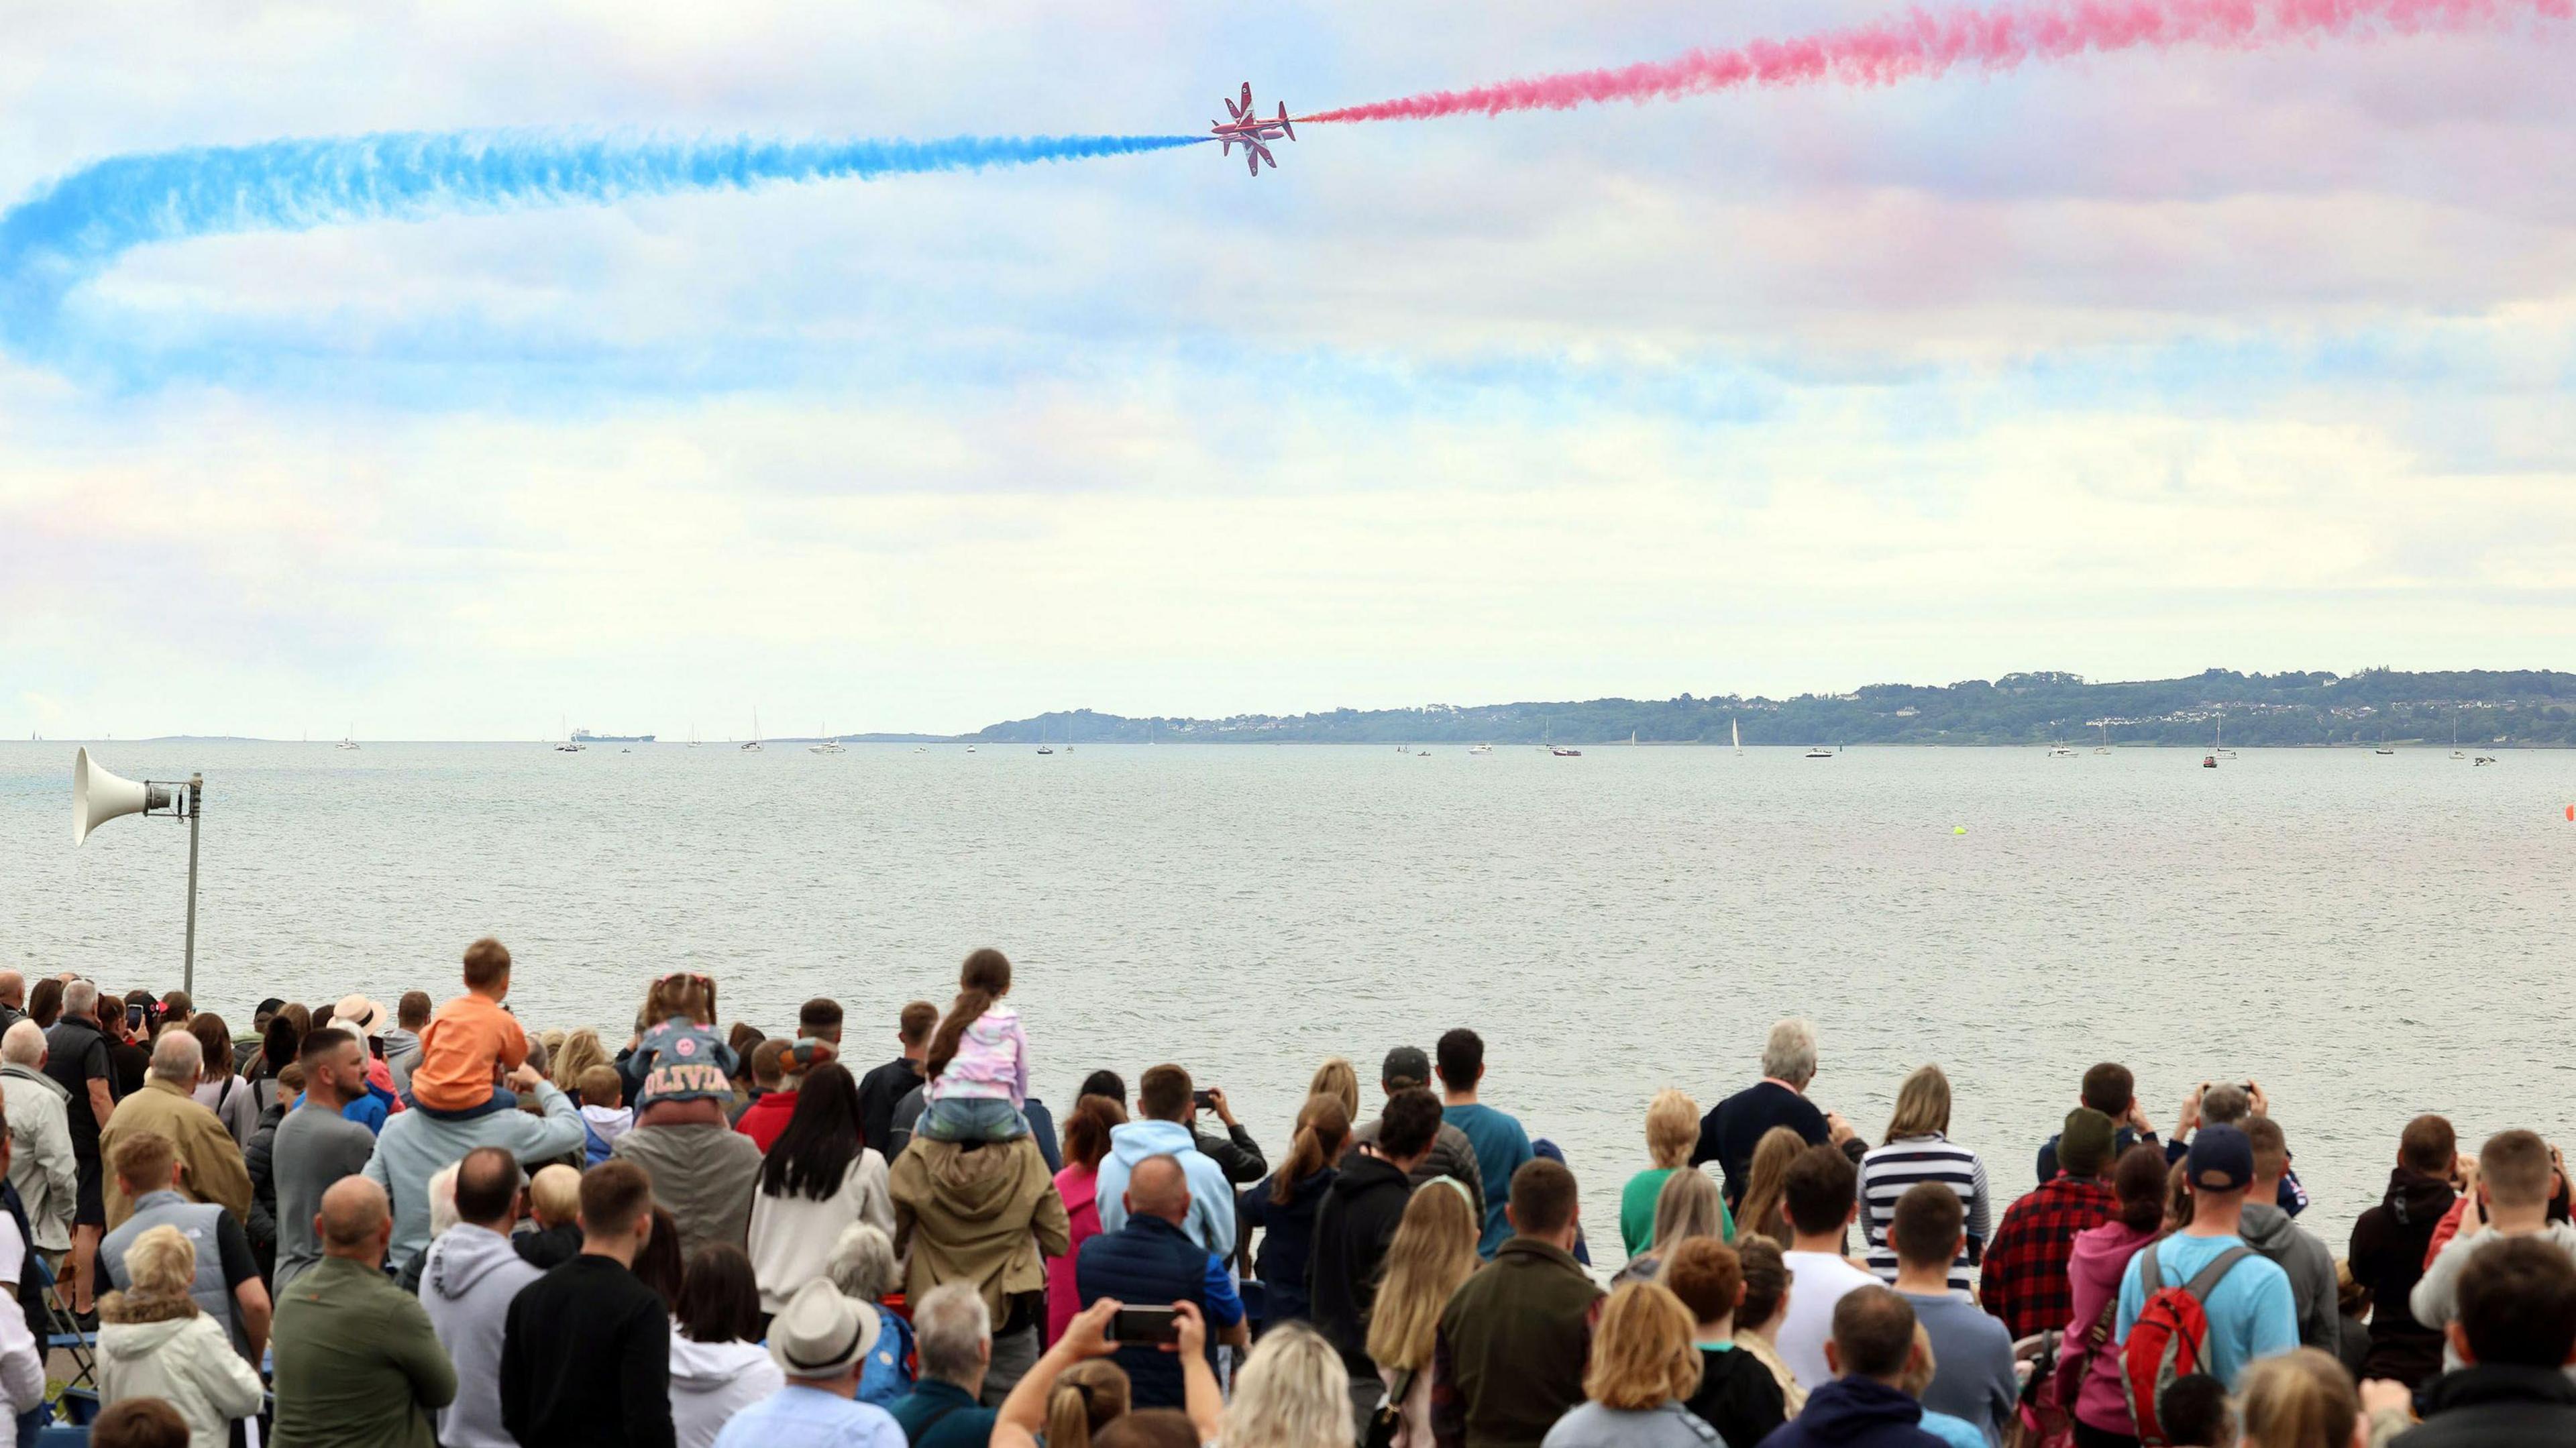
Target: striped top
[{"x": 1888, "y": 1171}]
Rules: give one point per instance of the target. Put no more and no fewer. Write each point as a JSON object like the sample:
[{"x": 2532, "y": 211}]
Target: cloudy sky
[{"x": 2131, "y": 366}]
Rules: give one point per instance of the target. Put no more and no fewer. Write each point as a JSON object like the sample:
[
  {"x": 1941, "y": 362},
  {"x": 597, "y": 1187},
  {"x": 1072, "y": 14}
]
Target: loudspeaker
[{"x": 99, "y": 796}]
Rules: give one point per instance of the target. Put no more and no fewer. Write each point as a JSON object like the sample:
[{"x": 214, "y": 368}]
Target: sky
[{"x": 2131, "y": 365}]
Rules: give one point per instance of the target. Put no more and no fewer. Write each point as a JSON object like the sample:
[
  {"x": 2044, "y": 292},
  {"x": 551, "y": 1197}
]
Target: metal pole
[{"x": 196, "y": 798}]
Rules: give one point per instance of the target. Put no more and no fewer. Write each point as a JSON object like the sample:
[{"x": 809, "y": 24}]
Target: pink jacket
[
  {"x": 1081, "y": 1192},
  {"x": 2100, "y": 1257},
  {"x": 992, "y": 1061}
]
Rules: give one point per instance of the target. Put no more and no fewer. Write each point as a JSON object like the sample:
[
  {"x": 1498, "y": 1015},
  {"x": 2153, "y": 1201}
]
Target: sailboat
[
  {"x": 1632, "y": 738},
  {"x": 829, "y": 745},
  {"x": 1559, "y": 750},
  {"x": 350, "y": 739},
  {"x": 2105, "y": 746},
  {"x": 2455, "y": 736},
  {"x": 1735, "y": 732},
  {"x": 1042, "y": 744},
  {"x": 2383, "y": 742},
  {"x": 752, "y": 745},
  {"x": 693, "y": 734},
  {"x": 2219, "y": 742},
  {"x": 569, "y": 745}
]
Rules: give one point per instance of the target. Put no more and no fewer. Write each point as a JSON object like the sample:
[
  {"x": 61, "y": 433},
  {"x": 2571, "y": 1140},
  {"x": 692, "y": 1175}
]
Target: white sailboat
[
  {"x": 752, "y": 745},
  {"x": 1735, "y": 732},
  {"x": 1042, "y": 744},
  {"x": 2105, "y": 746},
  {"x": 2219, "y": 741},
  {"x": 2455, "y": 736},
  {"x": 569, "y": 745},
  {"x": 350, "y": 739},
  {"x": 829, "y": 745},
  {"x": 1556, "y": 749}
]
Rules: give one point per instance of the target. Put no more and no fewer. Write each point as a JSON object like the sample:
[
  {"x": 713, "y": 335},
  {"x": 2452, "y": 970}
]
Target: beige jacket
[
  {"x": 988, "y": 1216},
  {"x": 210, "y": 1161}
]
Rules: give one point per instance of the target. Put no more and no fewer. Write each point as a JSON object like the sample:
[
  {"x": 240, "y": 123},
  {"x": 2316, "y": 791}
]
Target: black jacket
[
  {"x": 586, "y": 1358},
  {"x": 2387, "y": 1257},
  {"x": 879, "y": 1090},
  {"x": 1287, "y": 1239},
  {"x": 2496, "y": 1407},
  {"x": 261, "y": 1158},
  {"x": 1736, "y": 1125},
  {"x": 1352, "y": 1229},
  {"x": 1738, "y": 1397},
  {"x": 1855, "y": 1413},
  {"x": 1235, "y": 1153}
]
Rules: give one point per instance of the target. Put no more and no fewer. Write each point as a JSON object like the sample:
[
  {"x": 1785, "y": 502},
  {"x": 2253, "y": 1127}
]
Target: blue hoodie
[
  {"x": 1211, "y": 1222},
  {"x": 1855, "y": 1413}
]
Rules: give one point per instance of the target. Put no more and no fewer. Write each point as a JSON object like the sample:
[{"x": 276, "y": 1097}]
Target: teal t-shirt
[
  {"x": 2251, "y": 1312},
  {"x": 1637, "y": 1208},
  {"x": 1501, "y": 1149}
]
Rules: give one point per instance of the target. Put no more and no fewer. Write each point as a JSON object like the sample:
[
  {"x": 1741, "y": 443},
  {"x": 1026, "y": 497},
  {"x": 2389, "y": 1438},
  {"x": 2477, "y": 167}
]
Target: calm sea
[{"x": 2367, "y": 936}]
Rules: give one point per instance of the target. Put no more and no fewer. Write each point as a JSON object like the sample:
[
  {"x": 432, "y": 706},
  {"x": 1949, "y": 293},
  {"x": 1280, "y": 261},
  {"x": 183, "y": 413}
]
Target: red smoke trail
[{"x": 1928, "y": 43}]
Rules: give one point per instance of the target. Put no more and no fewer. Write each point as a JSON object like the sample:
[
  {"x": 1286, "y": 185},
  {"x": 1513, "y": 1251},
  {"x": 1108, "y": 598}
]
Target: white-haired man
[
  {"x": 77, "y": 1060},
  {"x": 211, "y": 1168},
  {"x": 953, "y": 1331},
  {"x": 41, "y": 1164},
  {"x": 1732, "y": 1128}
]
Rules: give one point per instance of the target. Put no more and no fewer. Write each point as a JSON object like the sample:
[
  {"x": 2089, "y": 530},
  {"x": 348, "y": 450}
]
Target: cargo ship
[{"x": 584, "y": 736}]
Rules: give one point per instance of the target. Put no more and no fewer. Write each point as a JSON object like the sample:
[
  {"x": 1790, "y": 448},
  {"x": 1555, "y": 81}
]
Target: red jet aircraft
[{"x": 1250, "y": 131}]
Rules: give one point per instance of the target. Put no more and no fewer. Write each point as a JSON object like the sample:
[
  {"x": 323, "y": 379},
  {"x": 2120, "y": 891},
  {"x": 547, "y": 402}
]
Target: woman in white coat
[
  {"x": 718, "y": 1367},
  {"x": 815, "y": 1180},
  {"x": 155, "y": 1342}
]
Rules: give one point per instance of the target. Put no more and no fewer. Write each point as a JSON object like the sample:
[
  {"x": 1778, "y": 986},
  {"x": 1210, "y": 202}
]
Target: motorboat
[
  {"x": 2060, "y": 751},
  {"x": 1480, "y": 749},
  {"x": 2209, "y": 761},
  {"x": 1561, "y": 752},
  {"x": 1819, "y": 752}
]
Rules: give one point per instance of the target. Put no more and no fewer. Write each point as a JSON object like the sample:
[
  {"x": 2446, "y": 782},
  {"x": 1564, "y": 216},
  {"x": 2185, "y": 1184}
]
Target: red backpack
[{"x": 2168, "y": 1339}]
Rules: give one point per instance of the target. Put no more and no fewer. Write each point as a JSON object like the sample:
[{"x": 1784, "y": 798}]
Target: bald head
[
  {"x": 355, "y": 1221},
  {"x": 1158, "y": 1188},
  {"x": 179, "y": 1058},
  {"x": 24, "y": 1045}
]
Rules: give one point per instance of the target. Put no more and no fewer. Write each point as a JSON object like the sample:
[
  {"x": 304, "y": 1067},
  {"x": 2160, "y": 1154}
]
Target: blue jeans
[
  {"x": 972, "y": 1119},
  {"x": 499, "y": 1100}
]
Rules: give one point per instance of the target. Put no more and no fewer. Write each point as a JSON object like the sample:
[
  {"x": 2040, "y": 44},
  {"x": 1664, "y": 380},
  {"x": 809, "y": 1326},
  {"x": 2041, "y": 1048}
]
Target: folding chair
[{"x": 65, "y": 1335}]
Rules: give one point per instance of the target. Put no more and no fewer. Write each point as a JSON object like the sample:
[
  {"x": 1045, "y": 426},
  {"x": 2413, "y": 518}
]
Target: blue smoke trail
[{"x": 78, "y": 226}]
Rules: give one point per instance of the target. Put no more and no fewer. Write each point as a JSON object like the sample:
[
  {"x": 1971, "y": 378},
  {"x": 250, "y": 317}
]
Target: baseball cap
[
  {"x": 2221, "y": 1159},
  {"x": 1405, "y": 1066}
]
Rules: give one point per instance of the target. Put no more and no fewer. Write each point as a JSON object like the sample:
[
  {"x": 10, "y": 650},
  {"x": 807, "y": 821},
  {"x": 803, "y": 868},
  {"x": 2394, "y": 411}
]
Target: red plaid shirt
[{"x": 2025, "y": 1281}]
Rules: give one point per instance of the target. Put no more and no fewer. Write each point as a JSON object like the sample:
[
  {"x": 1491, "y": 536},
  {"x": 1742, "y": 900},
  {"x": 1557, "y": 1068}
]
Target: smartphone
[
  {"x": 1146, "y": 1326},
  {"x": 1204, "y": 1100},
  {"x": 134, "y": 1018}
]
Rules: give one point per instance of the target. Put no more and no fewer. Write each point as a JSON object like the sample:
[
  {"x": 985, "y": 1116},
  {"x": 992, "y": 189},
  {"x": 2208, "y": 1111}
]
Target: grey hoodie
[
  {"x": 2436, "y": 1299},
  {"x": 402, "y": 1052},
  {"x": 2269, "y": 1231},
  {"x": 468, "y": 1276}
]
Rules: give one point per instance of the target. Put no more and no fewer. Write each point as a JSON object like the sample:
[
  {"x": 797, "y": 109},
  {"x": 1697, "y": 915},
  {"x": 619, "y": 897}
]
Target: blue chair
[
  {"x": 63, "y": 1435},
  {"x": 66, "y": 1336}
]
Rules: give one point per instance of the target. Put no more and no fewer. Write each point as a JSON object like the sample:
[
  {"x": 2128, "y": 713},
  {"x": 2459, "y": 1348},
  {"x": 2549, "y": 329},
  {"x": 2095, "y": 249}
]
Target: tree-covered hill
[{"x": 2493, "y": 708}]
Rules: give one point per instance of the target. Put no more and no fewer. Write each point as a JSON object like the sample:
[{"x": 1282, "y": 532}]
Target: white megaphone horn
[{"x": 98, "y": 795}]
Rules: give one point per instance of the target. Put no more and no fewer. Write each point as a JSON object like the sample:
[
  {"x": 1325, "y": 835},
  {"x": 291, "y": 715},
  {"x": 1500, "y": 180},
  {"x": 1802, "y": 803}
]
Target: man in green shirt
[{"x": 356, "y": 1360}]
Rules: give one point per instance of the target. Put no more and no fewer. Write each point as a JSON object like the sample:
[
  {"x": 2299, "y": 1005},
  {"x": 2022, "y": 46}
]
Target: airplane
[{"x": 1250, "y": 130}]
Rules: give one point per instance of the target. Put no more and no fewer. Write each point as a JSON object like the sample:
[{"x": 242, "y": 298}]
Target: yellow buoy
[{"x": 1958, "y": 829}]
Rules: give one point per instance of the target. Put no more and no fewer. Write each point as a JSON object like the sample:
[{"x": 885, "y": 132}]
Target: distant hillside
[{"x": 2508, "y": 709}]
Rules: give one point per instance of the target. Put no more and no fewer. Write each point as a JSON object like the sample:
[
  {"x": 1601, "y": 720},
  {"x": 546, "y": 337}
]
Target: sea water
[{"x": 2367, "y": 936}]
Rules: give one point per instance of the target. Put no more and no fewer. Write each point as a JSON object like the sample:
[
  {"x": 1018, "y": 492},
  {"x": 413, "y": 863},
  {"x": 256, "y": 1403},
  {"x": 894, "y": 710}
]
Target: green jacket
[
  {"x": 356, "y": 1362},
  {"x": 1509, "y": 1358}
]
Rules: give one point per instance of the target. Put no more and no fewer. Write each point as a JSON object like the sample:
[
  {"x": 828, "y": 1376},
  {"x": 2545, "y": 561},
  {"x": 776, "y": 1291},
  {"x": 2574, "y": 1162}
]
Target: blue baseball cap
[{"x": 2221, "y": 1160}]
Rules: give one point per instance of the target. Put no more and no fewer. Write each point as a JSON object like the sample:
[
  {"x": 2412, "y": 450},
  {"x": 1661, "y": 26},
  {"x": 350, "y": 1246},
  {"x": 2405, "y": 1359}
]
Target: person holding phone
[
  {"x": 1235, "y": 1152},
  {"x": 1151, "y": 1260}
]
